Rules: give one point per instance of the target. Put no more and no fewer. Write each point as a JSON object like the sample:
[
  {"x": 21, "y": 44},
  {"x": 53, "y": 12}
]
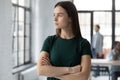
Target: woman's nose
[{"x": 55, "y": 18}]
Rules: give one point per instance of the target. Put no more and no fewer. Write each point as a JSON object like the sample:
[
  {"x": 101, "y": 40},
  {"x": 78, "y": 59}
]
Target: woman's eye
[{"x": 60, "y": 15}]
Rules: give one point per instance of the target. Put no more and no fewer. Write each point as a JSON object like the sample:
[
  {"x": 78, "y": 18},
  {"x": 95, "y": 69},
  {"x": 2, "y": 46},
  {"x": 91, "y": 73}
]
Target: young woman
[{"x": 66, "y": 55}]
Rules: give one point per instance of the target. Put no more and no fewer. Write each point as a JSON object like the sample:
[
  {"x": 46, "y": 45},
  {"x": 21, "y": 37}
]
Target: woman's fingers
[
  {"x": 45, "y": 61},
  {"x": 75, "y": 69}
]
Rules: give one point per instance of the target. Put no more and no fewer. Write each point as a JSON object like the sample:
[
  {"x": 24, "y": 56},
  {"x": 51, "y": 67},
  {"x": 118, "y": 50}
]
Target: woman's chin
[{"x": 57, "y": 27}]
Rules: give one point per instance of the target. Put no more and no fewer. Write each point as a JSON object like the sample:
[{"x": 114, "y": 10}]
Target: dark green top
[{"x": 66, "y": 52}]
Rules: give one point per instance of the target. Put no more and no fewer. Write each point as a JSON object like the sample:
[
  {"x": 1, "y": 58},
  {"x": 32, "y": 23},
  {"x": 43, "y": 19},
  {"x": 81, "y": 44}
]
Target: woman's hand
[
  {"x": 75, "y": 69},
  {"x": 45, "y": 61}
]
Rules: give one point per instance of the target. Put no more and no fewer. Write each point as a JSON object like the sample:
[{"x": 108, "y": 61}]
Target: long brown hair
[{"x": 72, "y": 13}]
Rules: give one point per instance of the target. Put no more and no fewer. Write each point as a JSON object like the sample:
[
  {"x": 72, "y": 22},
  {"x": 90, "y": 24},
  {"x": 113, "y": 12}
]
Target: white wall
[
  {"x": 42, "y": 26},
  {"x": 5, "y": 40}
]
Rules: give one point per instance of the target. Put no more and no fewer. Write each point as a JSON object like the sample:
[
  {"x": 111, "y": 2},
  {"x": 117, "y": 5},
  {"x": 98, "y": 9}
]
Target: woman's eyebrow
[{"x": 58, "y": 12}]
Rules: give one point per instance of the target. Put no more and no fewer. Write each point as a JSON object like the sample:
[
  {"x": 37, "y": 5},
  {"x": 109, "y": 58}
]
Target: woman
[{"x": 66, "y": 55}]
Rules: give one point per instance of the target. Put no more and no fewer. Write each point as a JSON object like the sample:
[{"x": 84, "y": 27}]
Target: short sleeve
[
  {"x": 46, "y": 44},
  {"x": 86, "y": 48}
]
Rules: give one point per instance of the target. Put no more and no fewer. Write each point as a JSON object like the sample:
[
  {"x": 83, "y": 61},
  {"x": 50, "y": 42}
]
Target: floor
[{"x": 100, "y": 78}]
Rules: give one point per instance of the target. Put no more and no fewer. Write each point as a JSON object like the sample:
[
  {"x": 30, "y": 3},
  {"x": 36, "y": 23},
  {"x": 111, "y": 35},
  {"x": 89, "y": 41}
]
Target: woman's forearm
[
  {"x": 45, "y": 68},
  {"x": 74, "y": 76},
  {"x": 83, "y": 74},
  {"x": 52, "y": 71}
]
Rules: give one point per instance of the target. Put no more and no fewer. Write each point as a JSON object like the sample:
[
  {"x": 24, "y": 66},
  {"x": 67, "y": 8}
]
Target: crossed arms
[{"x": 78, "y": 72}]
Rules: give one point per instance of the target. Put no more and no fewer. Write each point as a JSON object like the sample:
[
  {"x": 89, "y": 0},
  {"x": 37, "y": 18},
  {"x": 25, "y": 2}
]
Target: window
[
  {"x": 21, "y": 32},
  {"x": 93, "y": 4},
  {"x": 108, "y": 17},
  {"x": 117, "y": 2},
  {"x": 117, "y": 20},
  {"x": 85, "y": 22},
  {"x": 104, "y": 19},
  {"x": 117, "y": 29}
]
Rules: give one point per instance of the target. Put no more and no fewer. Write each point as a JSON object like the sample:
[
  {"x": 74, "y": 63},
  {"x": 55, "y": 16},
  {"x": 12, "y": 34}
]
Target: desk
[{"x": 104, "y": 62}]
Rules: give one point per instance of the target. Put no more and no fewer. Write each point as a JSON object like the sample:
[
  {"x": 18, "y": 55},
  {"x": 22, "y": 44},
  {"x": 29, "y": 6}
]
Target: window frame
[
  {"x": 16, "y": 34},
  {"x": 113, "y": 21}
]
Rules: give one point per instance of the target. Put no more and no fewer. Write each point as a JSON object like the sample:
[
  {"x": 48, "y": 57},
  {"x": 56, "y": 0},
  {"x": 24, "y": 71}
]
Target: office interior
[{"x": 24, "y": 25}]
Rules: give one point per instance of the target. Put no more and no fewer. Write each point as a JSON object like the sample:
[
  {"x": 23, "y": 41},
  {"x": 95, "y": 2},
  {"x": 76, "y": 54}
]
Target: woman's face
[{"x": 61, "y": 18}]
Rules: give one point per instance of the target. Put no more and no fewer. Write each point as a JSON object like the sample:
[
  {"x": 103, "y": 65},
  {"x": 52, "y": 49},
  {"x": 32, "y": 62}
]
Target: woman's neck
[{"x": 67, "y": 34}]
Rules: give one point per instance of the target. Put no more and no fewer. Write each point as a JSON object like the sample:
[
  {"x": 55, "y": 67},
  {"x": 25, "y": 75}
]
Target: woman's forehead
[{"x": 59, "y": 9}]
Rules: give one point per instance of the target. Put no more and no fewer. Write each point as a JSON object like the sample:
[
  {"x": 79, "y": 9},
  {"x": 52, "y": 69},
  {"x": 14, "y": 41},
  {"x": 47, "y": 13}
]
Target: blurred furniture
[
  {"x": 104, "y": 62},
  {"x": 103, "y": 65},
  {"x": 101, "y": 69}
]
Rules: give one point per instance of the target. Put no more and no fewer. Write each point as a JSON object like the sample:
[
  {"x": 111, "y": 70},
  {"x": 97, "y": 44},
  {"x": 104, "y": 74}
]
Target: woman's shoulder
[
  {"x": 51, "y": 37},
  {"x": 83, "y": 39}
]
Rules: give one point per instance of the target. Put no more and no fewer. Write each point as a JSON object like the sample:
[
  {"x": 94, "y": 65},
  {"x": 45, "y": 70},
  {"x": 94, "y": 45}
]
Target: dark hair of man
[
  {"x": 97, "y": 25},
  {"x": 72, "y": 13},
  {"x": 115, "y": 43}
]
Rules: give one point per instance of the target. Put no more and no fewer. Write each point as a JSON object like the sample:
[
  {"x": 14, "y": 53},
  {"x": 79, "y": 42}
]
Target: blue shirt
[{"x": 110, "y": 57}]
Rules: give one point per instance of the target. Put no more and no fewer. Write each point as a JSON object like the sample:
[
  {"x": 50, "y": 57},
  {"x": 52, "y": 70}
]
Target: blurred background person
[
  {"x": 114, "y": 55},
  {"x": 97, "y": 47},
  {"x": 97, "y": 43}
]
